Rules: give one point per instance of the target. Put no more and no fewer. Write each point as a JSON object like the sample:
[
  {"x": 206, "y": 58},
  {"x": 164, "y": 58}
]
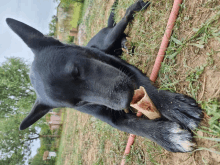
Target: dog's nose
[
  {"x": 127, "y": 95},
  {"x": 125, "y": 100}
]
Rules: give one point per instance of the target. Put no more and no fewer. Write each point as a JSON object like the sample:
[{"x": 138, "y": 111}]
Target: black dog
[{"x": 94, "y": 82}]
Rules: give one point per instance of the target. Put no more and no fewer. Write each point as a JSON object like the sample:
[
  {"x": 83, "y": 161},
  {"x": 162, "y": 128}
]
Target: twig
[
  {"x": 203, "y": 89},
  {"x": 216, "y": 93},
  {"x": 194, "y": 154}
]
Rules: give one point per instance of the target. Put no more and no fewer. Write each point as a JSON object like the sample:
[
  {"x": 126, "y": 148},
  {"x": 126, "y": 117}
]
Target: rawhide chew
[{"x": 142, "y": 102}]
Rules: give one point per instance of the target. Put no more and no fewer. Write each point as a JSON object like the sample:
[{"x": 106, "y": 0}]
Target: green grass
[
  {"x": 68, "y": 146},
  {"x": 76, "y": 14},
  {"x": 84, "y": 8},
  {"x": 61, "y": 148},
  {"x": 62, "y": 116},
  {"x": 212, "y": 108},
  {"x": 97, "y": 7}
]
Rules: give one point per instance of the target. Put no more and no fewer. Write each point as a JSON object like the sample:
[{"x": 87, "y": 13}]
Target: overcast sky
[{"x": 36, "y": 13}]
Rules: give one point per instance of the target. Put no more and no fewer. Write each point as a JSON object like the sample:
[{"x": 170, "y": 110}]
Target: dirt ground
[
  {"x": 210, "y": 80},
  {"x": 195, "y": 57}
]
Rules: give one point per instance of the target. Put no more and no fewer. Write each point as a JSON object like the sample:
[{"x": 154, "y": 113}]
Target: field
[
  {"x": 191, "y": 67},
  {"x": 76, "y": 14}
]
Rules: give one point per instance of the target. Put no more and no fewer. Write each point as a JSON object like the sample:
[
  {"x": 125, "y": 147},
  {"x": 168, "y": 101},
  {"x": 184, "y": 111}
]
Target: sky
[{"x": 36, "y": 13}]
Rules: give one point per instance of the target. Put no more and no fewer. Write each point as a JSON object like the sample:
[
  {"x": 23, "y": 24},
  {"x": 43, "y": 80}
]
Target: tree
[
  {"x": 52, "y": 26},
  {"x": 15, "y": 87},
  {"x": 46, "y": 145},
  {"x": 16, "y": 100},
  {"x": 15, "y": 145}
]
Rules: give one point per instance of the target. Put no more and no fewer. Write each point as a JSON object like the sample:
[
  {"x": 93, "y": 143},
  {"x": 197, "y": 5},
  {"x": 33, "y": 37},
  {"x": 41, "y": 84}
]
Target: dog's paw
[
  {"x": 173, "y": 138},
  {"x": 181, "y": 109},
  {"x": 143, "y": 4},
  {"x": 136, "y": 7}
]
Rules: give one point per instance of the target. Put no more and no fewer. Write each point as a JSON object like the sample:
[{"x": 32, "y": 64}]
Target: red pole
[{"x": 165, "y": 40}]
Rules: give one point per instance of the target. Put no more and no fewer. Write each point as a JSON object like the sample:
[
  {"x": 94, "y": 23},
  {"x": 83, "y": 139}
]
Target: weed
[
  {"x": 212, "y": 108},
  {"x": 193, "y": 79}
]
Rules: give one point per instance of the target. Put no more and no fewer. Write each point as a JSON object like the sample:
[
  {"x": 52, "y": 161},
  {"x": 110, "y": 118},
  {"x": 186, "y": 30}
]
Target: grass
[
  {"x": 169, "y": 71},
  {"x": 76, "y": 14},
  {"x": 212, "y": 108},
  {"x": 68, "y": 18},
  {"x": 188, "y": 58},
  {"x": 84, "y": 8},
  {"x": 68, "y": 145}
]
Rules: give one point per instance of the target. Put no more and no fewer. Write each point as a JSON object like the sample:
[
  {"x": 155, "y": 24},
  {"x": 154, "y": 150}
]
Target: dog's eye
[
  {"x": 72, "y": 70},
  {"x": 75, "y": 72}
]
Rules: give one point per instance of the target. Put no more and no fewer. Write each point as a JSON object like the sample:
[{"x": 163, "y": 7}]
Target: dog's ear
[
  {"x": 32, "y": 37},
  {"x": 37, "y": 112}
]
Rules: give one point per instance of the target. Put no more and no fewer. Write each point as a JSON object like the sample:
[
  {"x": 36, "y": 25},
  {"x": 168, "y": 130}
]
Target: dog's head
[{"x": 71, "y": 76}]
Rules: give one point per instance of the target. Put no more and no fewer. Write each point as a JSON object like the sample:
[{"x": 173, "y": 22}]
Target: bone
[{"x": 142, "y": 102}]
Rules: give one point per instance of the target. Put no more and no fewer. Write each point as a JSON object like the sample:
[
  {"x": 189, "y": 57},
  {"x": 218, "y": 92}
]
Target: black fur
[{"x": 94, "y": 80}]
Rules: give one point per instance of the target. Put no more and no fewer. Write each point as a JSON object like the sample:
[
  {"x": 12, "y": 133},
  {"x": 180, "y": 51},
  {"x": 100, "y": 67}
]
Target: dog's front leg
[
  {"x": 119, "y": 28},
  {"x": 111, "y": 21},
  {"x": 168, "y": 134}
]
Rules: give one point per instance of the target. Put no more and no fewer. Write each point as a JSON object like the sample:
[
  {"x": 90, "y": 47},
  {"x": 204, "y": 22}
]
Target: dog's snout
[
  {"x": 126, "y": 101},
  {"x": 123, "y": 94}
]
